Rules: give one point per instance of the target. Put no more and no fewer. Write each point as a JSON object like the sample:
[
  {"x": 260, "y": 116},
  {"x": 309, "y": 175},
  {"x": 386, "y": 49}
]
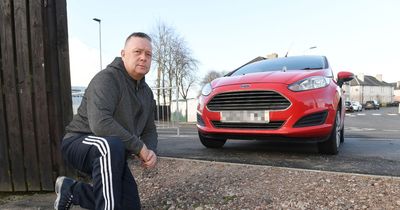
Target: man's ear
[{"x": 122, "y": 53}]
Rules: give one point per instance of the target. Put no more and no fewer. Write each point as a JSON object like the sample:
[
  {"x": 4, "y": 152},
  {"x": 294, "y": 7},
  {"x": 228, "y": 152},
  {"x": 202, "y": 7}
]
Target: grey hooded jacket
[{"x": 114, "y": 104}]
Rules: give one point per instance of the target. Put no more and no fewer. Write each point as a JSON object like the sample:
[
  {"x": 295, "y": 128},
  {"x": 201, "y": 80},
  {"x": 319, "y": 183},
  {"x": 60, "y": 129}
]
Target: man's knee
[
  {"x": 107, "y": 146},
  {"x": 116, "y": 147}
]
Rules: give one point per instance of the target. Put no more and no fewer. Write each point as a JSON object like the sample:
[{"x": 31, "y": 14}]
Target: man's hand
[{"x": 148, "y": 157}]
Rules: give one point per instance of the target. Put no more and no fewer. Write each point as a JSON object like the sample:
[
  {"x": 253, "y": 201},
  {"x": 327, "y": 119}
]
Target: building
[
  {"x": 77, "y": 95},
  {"x": 365, "y": 88},
  {"x": 187, "y": 110},
  {"x": 396, "y": 91}
]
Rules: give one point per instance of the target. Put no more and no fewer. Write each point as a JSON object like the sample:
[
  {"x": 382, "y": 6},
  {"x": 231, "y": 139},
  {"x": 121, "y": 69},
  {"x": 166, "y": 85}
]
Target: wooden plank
[
  {"x": 53, "y": 84},
  {"x": 63, "y": 58},
  {"x": 11, "y": 99},
  {"x": 25, "y": 96},
  {"x": 40, "y": 100},
  {"x": 5, "y": 171},
  {"x": 63, "y": 64}
]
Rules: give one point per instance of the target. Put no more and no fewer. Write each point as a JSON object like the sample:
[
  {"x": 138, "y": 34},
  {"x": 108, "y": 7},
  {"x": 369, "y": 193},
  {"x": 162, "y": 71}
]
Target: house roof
[
  {"x": 368, "y": 81},
  {"x": 394, "y": 84}
]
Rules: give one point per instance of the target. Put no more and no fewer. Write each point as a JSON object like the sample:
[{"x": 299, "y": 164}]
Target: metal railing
[{"x": 165, "y": 118}]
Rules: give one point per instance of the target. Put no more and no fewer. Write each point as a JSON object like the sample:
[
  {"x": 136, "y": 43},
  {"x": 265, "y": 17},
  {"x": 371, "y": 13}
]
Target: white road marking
[
  {"x": 374, "y": 114},
  {"x": 360, "y": 129}
]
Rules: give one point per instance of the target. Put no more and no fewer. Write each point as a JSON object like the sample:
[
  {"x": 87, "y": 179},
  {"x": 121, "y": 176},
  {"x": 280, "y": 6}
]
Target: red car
[{"x": 295, "y": 99}]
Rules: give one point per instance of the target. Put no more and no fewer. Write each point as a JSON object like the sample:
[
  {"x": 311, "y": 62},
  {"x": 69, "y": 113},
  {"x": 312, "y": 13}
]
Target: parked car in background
[
  {"x": 357, "y": 107},
  {"x": 394, "y": 103},
  {"x": 292, "y": 99},
  {"x": 371, "y": 105},
  {"x": 349, "y": 107}
]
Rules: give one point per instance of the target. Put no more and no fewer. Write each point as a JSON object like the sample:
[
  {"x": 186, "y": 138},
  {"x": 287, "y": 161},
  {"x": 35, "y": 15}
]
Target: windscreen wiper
[{"x": 309, "y": 68}]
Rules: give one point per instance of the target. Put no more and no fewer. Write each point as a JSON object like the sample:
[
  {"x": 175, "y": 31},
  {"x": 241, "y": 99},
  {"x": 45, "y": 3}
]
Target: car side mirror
[{"x": 343, "y": 77}]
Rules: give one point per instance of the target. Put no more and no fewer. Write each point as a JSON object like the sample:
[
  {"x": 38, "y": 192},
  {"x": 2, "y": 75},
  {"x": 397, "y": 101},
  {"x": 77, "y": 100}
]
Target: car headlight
[
  {"x": 207, "y": 89},
  {"x": 310, "y": 83}
]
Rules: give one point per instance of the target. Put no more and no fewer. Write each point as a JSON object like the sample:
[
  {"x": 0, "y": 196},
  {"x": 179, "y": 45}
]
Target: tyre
[
  {"x": 342, "y": 135},
  {"x": 211, "y": 143},
  {"x": 331, "y": 146}
]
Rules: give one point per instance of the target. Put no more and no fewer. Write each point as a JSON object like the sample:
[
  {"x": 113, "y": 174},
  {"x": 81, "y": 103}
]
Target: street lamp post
[{"x": 99, "y": 21}]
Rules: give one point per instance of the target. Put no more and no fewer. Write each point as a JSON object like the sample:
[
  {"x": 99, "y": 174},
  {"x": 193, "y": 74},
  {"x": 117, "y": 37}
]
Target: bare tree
[
  {"x": 210, "y": 76},
  {"x": 161, "y": 39},
  {"x": 185, "y": 69},
  {"x": 175, "y": 64}
]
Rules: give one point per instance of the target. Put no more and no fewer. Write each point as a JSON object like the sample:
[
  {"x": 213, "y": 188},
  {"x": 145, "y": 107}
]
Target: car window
[{"x": 284, "y": 64}]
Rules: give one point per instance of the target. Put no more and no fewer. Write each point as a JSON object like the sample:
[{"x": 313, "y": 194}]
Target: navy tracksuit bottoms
[{"x": 103, "y": 158}]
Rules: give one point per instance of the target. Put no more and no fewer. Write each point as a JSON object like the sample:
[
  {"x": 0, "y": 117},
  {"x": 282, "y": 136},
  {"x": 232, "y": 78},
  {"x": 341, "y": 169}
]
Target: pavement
[{"x": 45, "y": 200}]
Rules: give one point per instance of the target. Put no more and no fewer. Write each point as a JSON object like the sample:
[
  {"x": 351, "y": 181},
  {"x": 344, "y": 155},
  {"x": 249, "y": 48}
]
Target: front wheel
[
  {"x": 342, "y": 134},
  {"x": 211, "y": 143},
  {"x": 331, "y": 146}
]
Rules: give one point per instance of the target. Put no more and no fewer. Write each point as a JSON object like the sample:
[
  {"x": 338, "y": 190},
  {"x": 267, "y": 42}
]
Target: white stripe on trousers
[{"x": 105, "y": 168}]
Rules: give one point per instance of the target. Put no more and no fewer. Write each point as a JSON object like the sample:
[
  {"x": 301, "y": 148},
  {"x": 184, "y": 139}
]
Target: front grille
[
  {"x": 239, "y": 125},
  {"x": 248, "y": 100},
  {"x": 312, "y": 120}
]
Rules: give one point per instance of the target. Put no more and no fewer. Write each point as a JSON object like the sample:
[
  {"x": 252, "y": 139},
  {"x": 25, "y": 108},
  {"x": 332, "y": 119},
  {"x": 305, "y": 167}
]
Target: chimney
[
  {"x": 379, "y": 77},
  {"x": 360, "y": 76}
]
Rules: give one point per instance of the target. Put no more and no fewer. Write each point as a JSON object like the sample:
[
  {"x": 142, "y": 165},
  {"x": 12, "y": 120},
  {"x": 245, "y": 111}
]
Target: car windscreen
[{"x": 284, "y": 64}]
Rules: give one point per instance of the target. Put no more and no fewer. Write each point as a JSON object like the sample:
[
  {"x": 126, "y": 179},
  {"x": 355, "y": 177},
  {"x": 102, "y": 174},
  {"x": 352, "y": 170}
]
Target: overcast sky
[{"x": 361, "y": 36}]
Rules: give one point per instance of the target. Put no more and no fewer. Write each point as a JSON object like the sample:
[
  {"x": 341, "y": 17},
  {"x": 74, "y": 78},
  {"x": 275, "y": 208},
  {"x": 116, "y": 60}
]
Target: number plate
[{"x": 255, "y": 116}]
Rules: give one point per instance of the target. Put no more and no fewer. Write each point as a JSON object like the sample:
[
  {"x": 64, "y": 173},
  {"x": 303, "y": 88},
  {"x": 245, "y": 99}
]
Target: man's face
[{"x": 137, "y": 57}]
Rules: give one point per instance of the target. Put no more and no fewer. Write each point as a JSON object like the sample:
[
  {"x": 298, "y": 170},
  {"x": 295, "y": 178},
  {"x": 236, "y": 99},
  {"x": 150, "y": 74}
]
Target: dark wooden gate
[{"x": 35, "y": 92}]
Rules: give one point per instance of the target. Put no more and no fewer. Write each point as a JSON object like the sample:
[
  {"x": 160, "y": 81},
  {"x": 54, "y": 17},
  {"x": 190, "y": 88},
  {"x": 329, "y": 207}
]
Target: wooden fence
[{"x": 35, "y": 92}]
